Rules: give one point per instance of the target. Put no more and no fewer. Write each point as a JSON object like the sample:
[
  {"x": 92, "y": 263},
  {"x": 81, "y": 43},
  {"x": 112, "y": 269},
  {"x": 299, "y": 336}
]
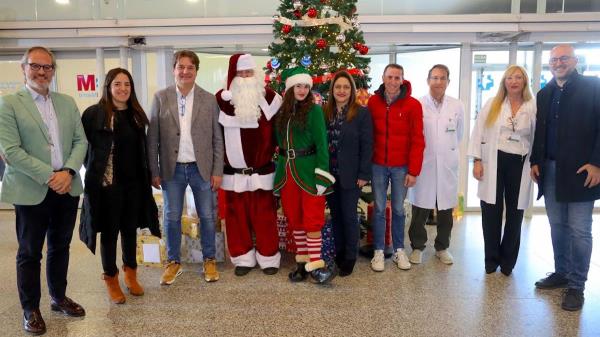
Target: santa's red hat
[{"x": 237, "y": 62}]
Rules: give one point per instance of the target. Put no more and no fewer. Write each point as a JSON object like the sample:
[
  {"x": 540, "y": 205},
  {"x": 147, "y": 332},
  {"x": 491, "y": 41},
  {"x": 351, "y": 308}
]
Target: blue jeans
[
  {"x": 571, "y": 231},
  {"x": 382, "y": 176},
  {"x": 173, "y": 194}
]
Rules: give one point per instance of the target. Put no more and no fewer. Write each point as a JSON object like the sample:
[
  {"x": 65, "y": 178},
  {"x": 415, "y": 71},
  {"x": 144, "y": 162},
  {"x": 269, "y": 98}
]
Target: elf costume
[{"x": 302, "y": 180}]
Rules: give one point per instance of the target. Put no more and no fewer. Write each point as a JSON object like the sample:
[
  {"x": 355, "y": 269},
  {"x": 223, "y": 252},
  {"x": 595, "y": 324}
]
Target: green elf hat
[{"x": 297, "y": 75}]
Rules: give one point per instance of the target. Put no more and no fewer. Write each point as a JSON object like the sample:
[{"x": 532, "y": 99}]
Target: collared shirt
[
  {"x": 185, "y": 106},
  {"x": 46, "y": 109},
  {"x": 552, "y": 123},
  {"x": 437, "y": 104}
]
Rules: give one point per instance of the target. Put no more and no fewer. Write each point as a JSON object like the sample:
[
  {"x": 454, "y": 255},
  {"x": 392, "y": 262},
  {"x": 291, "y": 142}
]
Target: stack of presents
[{"x": 152, "y": 250}]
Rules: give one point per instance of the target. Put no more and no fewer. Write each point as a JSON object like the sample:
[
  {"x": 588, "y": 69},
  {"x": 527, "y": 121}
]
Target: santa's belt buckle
[
  {"x": 247, "y": 171},
  {"x": 291, "y": 154}
]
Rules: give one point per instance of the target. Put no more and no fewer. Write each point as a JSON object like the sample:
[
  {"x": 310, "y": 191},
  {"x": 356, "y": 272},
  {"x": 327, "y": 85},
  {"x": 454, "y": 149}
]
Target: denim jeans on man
[
  {"x": 174, "y": 194},
  {"x": 382, "y": 177},
  {"x": 571, "y": 231}
]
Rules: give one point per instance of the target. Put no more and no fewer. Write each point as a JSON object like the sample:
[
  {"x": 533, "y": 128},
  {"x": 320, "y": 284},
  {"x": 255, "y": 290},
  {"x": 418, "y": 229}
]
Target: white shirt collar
[{"x": 36, "y": 95}]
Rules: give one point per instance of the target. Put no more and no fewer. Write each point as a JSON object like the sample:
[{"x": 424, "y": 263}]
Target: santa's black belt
[
  {"x": 293, "y": 153},
  {"x": 249, "y": 170}
]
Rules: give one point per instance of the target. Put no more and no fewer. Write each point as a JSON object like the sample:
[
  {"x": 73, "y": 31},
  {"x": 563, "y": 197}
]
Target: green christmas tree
[{"x": 323, "y": 36}]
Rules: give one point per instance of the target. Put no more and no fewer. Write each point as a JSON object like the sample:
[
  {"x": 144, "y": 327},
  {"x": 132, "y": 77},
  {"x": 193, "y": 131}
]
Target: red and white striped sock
[
  {"x": 300, "y": 241},
  {"x": 314, "y": 248}
]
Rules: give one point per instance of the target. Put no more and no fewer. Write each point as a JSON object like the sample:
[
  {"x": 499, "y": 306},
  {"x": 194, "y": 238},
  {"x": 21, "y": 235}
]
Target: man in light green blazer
[{"x": 44, "y": 145}]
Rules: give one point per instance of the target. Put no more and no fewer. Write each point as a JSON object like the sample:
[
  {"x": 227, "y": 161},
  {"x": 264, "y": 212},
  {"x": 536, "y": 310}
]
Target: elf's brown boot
[
  {"x": 114, "y": 289},
  {"x": 134, "y": 287}
]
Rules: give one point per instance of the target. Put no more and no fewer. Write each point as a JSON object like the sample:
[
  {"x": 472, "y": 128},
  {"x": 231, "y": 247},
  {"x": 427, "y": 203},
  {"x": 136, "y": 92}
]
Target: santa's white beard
[{"x": 246, "y": 94}]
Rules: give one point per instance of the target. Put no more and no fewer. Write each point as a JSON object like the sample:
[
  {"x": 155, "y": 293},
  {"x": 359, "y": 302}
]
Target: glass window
[
  {"x": 417, "y": 64},
  {"x": 567, "y": 6},
  {"x": 415, "y": 7},
  {"x": 377, "y": 64}
]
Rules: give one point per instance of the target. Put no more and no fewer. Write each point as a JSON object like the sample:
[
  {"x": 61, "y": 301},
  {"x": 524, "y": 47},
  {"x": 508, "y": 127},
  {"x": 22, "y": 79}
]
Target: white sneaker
[
  {"x": 444, "y": 256},
  {"x": 401, "y": 259},
  {"x": 378, "y": 261},
  {"x": 416, "y": 256}
]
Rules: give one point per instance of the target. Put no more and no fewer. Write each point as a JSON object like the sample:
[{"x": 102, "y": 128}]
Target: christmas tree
[{"x": 323, "y": 36}]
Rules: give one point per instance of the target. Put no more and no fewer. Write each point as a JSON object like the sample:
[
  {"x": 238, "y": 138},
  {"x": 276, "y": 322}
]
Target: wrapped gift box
[
  {"x": 151, "y": 250},
  {"x": 191, "y": 249},
  {"x": 190, "y": 226},
  {"x": 327, "y": 241}
]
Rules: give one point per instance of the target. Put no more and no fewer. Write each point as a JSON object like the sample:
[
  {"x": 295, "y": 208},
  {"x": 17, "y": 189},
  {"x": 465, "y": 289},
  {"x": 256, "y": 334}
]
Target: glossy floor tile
[{"x": 431, "y": 299}]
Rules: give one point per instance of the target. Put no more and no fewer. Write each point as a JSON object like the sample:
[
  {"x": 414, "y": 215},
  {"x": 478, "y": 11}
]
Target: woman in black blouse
[
  {"x": 117, "y": 194},
  {"x": 350, "y": 133}
]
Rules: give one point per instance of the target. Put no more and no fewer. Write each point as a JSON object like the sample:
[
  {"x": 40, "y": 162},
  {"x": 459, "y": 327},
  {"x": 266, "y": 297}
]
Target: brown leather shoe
[
  {"x": 34, "y": 323},
  {"x": 134, "y": 287},
  {"x": 114, "y": 289},
  {"x": 67, "y": 307}
]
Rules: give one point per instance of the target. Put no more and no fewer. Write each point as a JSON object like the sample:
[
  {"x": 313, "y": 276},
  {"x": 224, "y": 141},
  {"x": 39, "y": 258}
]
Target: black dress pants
[
  {"x": 418, "y": 234},
  {"x": 123, "y": 206},
  {"x": 53, "y": 219},
  {"x": 502, "y": 249},
  {"x": 344, "y": 220}
]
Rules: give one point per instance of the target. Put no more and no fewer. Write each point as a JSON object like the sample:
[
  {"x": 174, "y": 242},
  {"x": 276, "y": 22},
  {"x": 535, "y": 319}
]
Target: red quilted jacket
[{"x": 398, "y": 130}]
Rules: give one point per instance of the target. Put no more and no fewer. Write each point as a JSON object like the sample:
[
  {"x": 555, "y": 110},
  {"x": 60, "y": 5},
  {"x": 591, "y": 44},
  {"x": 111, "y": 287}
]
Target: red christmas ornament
[
  {"x": 312, "y": 13},
  {"x": 298, "y": 13},
  {"x": 286, "y": 29},
  {"x": 321, "y": 43},
  {"x": 363, "y": 50},
  {"x": 357, "y": 46},
  {"x": 269, "y": 65},
  {"x": 324, "y": 2}
]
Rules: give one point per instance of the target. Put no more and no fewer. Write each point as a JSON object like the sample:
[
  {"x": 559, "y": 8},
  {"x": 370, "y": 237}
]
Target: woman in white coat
[
  {"x": 500, "y": 146},
  {"x": 437, "y": 185}
]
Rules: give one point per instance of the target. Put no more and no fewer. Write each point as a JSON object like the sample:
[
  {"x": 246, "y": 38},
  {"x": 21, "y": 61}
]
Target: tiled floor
[{"x": 431, "y": 299}]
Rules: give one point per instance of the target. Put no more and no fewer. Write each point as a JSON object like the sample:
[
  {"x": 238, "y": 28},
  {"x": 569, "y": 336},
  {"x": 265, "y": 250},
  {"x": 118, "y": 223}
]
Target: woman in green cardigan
[{"x": 302, "y": 178}]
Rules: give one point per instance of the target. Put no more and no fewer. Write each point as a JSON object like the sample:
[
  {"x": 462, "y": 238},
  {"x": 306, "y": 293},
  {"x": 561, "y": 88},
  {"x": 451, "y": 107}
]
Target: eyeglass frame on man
[
  {"x": 562, "y": 59},
  {"x": 37, "y": 67}
]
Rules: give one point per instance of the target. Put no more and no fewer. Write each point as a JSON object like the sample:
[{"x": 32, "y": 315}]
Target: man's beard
[{"x": 246, "y": 94}]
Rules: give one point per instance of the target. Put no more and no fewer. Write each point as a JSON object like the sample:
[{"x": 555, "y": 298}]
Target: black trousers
[
  {"x": 418, "y": 234},
  {"x": 52, "y": 220},
  {"x": 344, "y": 220},
  {"x": 122, "y": 204},
  {"x": 502, "y": 249}
]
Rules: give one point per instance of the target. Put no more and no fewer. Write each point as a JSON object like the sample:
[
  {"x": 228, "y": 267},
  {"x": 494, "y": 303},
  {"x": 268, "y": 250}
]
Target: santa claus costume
[
  {"x": 247, "y": 110},
  {"x": 302, "y": 178}
]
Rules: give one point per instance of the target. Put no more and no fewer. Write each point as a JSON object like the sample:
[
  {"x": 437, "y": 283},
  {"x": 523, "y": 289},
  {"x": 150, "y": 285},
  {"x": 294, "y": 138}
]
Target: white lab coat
[
  {"x": 443, "y": 131},
  {"x": 484, "y": 145}
]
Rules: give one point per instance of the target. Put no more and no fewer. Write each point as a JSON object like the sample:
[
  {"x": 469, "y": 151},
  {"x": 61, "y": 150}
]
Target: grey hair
[{"x": 40, "y": 48}]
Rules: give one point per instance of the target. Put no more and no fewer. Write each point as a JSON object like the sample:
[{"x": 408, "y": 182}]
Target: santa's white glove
[{"x": 321, "y": 189}]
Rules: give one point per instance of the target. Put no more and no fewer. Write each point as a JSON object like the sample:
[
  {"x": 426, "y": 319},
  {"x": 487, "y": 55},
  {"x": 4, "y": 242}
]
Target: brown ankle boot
[
  {"x": 134, "y": 287},
  {"x": 114, "y": 289}
]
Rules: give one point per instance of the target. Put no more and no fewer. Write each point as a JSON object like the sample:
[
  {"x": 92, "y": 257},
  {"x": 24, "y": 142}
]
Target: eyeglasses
[
  {"x": 562, "y": 59},
  {"x": 182, "y": 105},
  {"x": 36, "y": 66}
]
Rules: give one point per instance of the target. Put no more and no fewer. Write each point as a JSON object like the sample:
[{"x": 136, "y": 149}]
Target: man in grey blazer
[
  {"x": 43, "y": 143},
  {"x": 185, "y": 146}
]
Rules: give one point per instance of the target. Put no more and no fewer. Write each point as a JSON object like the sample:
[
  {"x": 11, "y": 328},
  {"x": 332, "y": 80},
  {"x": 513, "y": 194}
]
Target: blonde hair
[{"x": 501, "y": 94}]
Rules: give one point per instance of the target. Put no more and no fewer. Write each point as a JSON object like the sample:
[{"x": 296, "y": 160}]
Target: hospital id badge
[
  {"x": 451, "y": 126},
  {"x": 514, "y": 137}
]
